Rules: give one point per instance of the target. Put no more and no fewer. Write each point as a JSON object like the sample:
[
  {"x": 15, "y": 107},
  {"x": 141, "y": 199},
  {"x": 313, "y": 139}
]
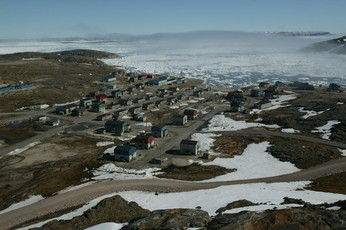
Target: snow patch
[
  {"x": 222, "y": 123},
  {"x": 309, "y": 113},
  {"x": 104, "y": 143},
  {"x": 144, "y": 124},
  {"x": 290, "y": 130},
  {"x": 343, "y": 152},
  {"x": 205, "y": 141},
  {"x": 107, "y": 226},
  {"x": 255, "y": 162},
  {"x": 325, "y": 130}
]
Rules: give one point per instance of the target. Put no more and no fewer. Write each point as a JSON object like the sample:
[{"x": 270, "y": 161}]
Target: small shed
[
  {"x": 180, "y": 120},
  {"x": 125, "y": 153},
  {"x": 189, "y": 147},
  {"x": 144, "y": 141},
  {"x": 159, "y": 130}
]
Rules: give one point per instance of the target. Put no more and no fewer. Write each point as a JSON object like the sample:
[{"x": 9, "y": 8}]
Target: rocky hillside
[
  {"x": 116, "y": 209},
  {"x": 337, "y": 46}
]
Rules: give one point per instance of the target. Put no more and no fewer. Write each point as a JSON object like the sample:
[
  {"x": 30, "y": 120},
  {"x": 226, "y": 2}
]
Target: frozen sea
[{"x": 228, "y": 59}]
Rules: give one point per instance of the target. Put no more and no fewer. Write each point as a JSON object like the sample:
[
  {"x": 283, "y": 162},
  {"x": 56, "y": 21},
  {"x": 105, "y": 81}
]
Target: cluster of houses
[
  {"x": 46, "y": 120},
  {"x": 265, "y": 91},
  {"x": 146, "y": 141}
]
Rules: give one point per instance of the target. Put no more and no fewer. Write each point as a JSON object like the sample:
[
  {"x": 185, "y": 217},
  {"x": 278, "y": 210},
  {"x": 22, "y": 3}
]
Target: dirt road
[{"x": 86, "y": 194}]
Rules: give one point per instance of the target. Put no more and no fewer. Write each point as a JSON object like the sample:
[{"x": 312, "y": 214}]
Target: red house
[
  {"x": 191, "y": 113},
  {"x": 144, "y": 141}
]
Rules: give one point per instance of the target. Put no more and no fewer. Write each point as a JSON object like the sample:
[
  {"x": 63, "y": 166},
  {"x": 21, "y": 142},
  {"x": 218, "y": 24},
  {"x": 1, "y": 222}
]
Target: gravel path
[{"x": 88, "y": 193}]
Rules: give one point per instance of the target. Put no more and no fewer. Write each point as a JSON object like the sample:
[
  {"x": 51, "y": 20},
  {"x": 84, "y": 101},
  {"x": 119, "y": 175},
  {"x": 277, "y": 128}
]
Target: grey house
[
  {"x": 189, "y": 147},
  {"x": 179, "y": 119},
  {"x": 159, "y": 130}
]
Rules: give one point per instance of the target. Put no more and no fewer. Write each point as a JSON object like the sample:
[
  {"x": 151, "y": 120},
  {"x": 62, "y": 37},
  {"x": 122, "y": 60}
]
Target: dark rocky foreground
[{"x": 116, "y": 209}]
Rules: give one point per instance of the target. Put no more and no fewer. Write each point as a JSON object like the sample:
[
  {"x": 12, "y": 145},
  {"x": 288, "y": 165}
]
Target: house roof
[
  {"x": 159, "y": 127},
  {"x": 125, "y": 150}
]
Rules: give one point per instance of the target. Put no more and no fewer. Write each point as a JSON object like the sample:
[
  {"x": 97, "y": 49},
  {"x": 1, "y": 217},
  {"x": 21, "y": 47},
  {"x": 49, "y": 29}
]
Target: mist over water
[{"x": 229, "y": 59}]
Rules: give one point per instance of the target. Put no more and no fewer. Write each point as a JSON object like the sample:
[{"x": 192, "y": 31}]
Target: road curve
[{"x": 83, "y": 195}]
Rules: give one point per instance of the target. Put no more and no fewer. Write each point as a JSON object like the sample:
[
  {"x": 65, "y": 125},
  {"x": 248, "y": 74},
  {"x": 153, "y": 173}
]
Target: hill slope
[{"x": 337, "y": 45}]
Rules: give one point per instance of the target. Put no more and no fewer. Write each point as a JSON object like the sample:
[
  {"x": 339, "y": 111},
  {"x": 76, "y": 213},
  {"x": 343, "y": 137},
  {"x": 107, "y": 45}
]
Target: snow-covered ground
[
  {"x": 222, "y": 123},
  {"x": 18, "y": 151},
  {"x": 144, "y": 124},
  {"x": 107, "y": 226},
  {"x": 281, "y": 101},
  {"x": 325, "y": 130},
  {"x": 67, "y": 103},
  {"x": 255, "y": 162},
  {"x": 309, "y": 113},
  {"x": 205, "y": 141},
  {"x": 104, "y": 143},
  {"x": 212, "y": 199},
  {"x": 111, "y": 171},
  {"x": 343, "y": 152}
]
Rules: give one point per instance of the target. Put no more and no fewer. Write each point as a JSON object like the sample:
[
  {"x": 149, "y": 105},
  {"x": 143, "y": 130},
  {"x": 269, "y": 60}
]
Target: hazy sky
[{"x": 64, "y": 18}]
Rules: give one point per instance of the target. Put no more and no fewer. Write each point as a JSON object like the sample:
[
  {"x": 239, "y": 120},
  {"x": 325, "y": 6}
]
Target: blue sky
[{"x": 64, "y": 18}]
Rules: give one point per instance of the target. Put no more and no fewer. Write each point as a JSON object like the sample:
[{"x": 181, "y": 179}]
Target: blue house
[
  {"x": 256, "y": 93},
  {"x": 159, "y": 130},
  {"x": 125, "y": 153}
]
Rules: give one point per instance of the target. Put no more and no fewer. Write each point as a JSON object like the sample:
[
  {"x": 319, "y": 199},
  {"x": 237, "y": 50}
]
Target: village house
[
  {"x": 55, "y": 122},
  {"x": 131, "y": 90},
  {"x": 42, "y": 118},
  {"x": 66, "y": 109},
  {"x": 133, "y": 79},
  {"x": 135, "y": 110},
  {"x": 235, "y": 95},
  {"x": 264, "y": 104},
  {"x": 139, "y": 117},
  {"x": 159, "y": 130},
  {"x": 78, "y": 112},
  {"x": 113, "y": 105},
  {"x": 189, "y": 147},
  {"x": 142, "y": 77},
  {"x": 198, "y": 93},
  {"x": 194, "y": 87},
  {"x": 94, "y": 93},
  {"x": 139, "y": 86},
  {"x": 150, "y": 97},
  {"x": 144, "y": 141},
  {"x": 237, "y": 106},
  {"x": 148, "y": 106},
  {"x": 117, "y": 93},
  {"x": 120, "y": 126},
  {"x": 125, "y": 153},
  {"x": 174, "y": 89},
  {"x": 98, "y": 108},
  {"x": 159, "y": 82},
  {"x": 111, "y": 86},
  {"x": 86, "y": 102},
  {"x": 125, "y": 102},
  {"x": 263, "y": 84},
  {"x": 191, "y": 113},
  {"x": 180, "y": 120},
  {"x": 256, "y": 93},
  {"x": 159, "y": 91},
  {"x": 172, "y": 100},
  {"x": 120, "y": 113},
  {"x": 181, "y": 97},
  {"x": 138, "y": 100},
  {"x": 101, "y": 98},
  {"x": 160, "y": 102},
  {"x": 104, "y": 117},
  {"x": 109, "y": 78}
]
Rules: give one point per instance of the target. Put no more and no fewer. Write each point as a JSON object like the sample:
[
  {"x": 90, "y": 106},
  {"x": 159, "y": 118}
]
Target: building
[
  {"x": 179, "y": 119},
  {"x": 120, "y": 113},
  {"x": 109, "y": 78},
  {"x": 160, "y": 102},
  {"x": 54, "y": 122},
  {"x": 159, "y": 130},
  {"x": 148, "y": 106},
  {"x": 189, "y": 147},
  {"x": 135, "y": 110},
  {"x": 235, "y": 95},
  {"x": 101, "y": 98},
  {"x": 198, "y": 93},
  {"x": 78, "y": 112},
  {"x": 37, "y": 106},
  {"x": 237, "y": 106},
  {"x": 86, "y": 102},
  {"x": 66, "y": 109},
  {"x": 263, "y": 84},
  {"x": 172, "y": 100},
  {"x": 133, "y": 79},
  {"x": 144, "y": 141},
  {"x": 125, "y": 102},
  {"x": 264, "y": 104},
  {"x": 117, "y": 93},
  {"x": 104, "y": 117},
  {"x": 99, "y": 108},
  {"x": 139, "y": 117},
  {"x": 111, "y": 86},
  {"x": 117, "y": 126},
  {"x": 191, "y": 114},
  {"x": 139, "y": 100},
  {"x": 159, "y": 82},
  {"x": 125, "y": 153},
  {"x": 139, "y": 86},
  {"x": 42, "y": 118},
  {"x": 256, "y": 93}
]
